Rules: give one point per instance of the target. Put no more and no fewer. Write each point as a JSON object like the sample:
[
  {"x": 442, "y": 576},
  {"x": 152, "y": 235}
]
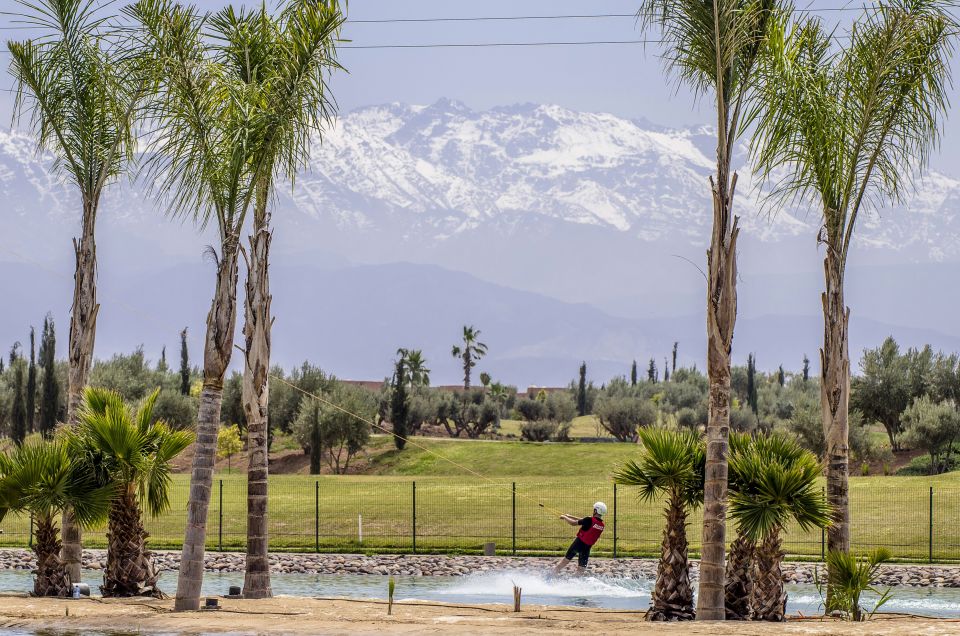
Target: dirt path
[{"x": 288, "y": 615}]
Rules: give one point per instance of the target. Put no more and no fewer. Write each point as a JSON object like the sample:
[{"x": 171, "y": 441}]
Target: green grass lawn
[
  {"x": 586, "y": 426},
  {"x": 458, "y": 511}
]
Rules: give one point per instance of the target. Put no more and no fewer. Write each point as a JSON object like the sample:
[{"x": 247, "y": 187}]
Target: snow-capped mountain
[
  {"x": 428, "y": 173},
  {"x": 579, "y": 207},
  {"x": 445, "y": 169}
]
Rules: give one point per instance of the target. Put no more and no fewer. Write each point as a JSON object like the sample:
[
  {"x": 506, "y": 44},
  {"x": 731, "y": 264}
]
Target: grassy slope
[{"x": 497, "y": 459}]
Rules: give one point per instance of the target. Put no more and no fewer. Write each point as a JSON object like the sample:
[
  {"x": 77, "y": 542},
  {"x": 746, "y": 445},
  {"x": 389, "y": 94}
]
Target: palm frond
[
  {"x": 79, "y": 91},
  {"x": 850, "y": 127}
]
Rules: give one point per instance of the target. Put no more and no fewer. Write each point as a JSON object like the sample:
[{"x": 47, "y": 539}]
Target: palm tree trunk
[
  {"x": 835, "y": 400},
  {"x": 769, "y": 597},
  {"x": 672, "y": 594},
  {"x": 50, "y": 577},
  {"x": 221, "y": 322},
  {"x": 83, "y": 330},
  {"x": 129, "y": 571},
  {"x": 739, "y": 579},
  {"x": 256, "y": 580},
  {"x": 721, "y": 317}
]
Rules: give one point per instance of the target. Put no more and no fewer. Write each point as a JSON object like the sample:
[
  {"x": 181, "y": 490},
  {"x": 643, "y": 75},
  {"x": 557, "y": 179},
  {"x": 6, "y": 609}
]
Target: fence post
[
  {"x": 614, "y": 521},
  {"x": 316, "y": 517},
  {"x": 30, "y": 541},
  {"x": 823, "y": 536},
  {"x": 220, "y": 528},
  {"x": 930, "y": 541},
  {"x": 514, "y": 494},
  {"x": 414, "y": 517}
]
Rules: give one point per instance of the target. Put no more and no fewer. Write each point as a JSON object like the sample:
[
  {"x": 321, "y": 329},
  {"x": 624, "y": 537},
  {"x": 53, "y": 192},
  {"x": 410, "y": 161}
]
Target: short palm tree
[
  {"x": 470, "y": 353},
  {"x": 41, "y": 478},
  {"x": 127, "y": 448},
  {"x": 81, "y": 92},
  {"x": 773, "y": 482},
  {"x": 844, "y": 127},
  {"x": 670, "y": 465}
]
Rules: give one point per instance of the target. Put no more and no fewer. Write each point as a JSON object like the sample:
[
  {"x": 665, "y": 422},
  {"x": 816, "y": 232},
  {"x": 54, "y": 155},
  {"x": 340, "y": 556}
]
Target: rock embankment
[{"x": 433, "y": 565}]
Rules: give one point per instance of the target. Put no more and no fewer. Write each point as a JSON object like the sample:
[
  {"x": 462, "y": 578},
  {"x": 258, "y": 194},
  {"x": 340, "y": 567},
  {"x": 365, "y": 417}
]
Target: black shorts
[{"x": 581, "y": 549}]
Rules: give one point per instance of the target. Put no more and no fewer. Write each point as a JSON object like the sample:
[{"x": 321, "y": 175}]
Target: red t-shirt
[{"x": 590, "y": 529}]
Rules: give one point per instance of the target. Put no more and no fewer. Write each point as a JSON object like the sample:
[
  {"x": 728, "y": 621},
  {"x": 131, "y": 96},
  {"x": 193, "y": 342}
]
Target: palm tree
[
  {"x": 283, "y": 63},
  {"x": 41, "y": 478},
  {"x": 843, "y": 128},
  {"x": 714, "y": 46},
  {"x": 417, "y": 368},
  {"x": 670, "y": 465},
  {"x": 470, "y": 353},
  {"x": 206, "y": 133},
  {"x": 81, "y": 92},
  {"x": 129, "y": 449},
  {"x": 773, "y": 481}
]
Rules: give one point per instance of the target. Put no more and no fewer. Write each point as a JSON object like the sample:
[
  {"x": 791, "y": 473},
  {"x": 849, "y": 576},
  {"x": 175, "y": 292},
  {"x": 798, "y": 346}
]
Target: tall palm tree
[
  {"x": 773, "y": 481},
  {"x": 79, "y": 91},
  {"x": 670, "y": 465},
  {"x": 417, "y": 368},
  {"x": 844, "y": 127},
  {"x": 129, "y": 449},
  {"x": 470, "y": 353},
  {"x": 41, "y": 478},
  {"x": 283, "y": 62},
  {"x": 202, "y": 160},
  {"x": 713, "y": 46}
]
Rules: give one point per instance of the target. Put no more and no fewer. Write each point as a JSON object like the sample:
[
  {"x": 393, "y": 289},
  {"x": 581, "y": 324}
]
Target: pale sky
[{"x": 625, "y": 79}]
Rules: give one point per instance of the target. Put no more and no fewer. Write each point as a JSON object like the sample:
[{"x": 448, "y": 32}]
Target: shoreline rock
[{"x": 462, "y": 565}]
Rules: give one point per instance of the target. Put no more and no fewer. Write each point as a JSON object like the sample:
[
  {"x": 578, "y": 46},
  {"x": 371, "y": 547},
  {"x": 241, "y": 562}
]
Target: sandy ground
[{"x": 288, "y": 615}]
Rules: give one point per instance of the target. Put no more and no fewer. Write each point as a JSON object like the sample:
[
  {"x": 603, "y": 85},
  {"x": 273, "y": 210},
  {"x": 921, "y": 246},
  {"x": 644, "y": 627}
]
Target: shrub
[
  {"x": 851, "y": 576},
  {"x": 538, "y": 430},
  {"x": 920, "y": 466},
  {"x": 177, "y": 410},
  {"x": 742, "y": 420},
  {"x": 623, "y": 416}
]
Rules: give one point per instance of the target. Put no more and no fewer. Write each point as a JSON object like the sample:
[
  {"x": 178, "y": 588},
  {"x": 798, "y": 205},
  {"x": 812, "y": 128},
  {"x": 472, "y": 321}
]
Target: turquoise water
[{"x": 497, "y": 587}]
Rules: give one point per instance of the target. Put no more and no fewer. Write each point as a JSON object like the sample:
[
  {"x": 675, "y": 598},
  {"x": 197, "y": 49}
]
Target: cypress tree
[
  {"x": 18, "y": 415},
  {"x": 50, "y": 393},
  {"x": 673, "y": 369},
  {"x": 184, "y": 364},
  {"x": 162, "y": 365},
  {"x": 666, "y": 371},
  {"x": 752, "y": 383},
  {"x": 806, "y": 368},
  {"x": 31, "y": 395},
  {"x": 633, "y": 374},
  {"x": 582, "y": 390},
  {"x": 399, "y": 406},
  {"x": 652, "y": 371},
  {"x": 780, "y": 376}
]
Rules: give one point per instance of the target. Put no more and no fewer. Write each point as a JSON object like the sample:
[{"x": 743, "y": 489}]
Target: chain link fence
[{"x": 459, "y": 515}]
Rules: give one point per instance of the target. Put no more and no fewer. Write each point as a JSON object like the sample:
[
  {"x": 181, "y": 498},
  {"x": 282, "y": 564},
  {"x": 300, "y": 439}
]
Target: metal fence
[{"x": 438, "y": 515}]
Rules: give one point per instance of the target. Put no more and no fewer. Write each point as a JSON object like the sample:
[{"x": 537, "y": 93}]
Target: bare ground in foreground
[{"x": 289, "y": 615}]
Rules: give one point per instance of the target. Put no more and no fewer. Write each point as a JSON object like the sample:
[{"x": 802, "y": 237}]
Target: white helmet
[{"x": 599, "y": 508}]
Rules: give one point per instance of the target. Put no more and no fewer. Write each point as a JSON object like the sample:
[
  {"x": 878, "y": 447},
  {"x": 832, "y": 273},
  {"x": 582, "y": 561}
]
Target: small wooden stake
[
  {"x": 516, "y": 597},
  {"x": 390, "y": 587}
]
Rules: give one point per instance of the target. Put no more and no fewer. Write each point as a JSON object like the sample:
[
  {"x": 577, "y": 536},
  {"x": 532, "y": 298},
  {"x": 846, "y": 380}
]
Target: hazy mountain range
[{"x": 564, "y": 236}]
